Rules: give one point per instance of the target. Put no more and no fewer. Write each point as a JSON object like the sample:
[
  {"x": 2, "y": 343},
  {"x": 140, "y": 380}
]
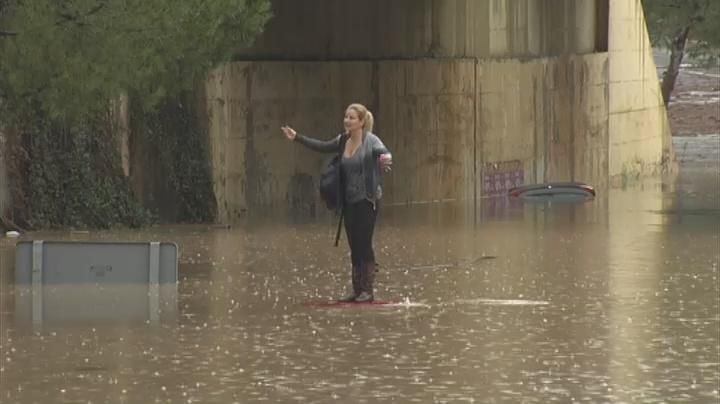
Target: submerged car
[{"x": 554, "y": 192}]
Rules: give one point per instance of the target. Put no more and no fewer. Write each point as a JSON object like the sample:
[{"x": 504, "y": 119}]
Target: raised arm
[
  {"x": 329, "y": 146},
  {"x": 322, "y": 146}
]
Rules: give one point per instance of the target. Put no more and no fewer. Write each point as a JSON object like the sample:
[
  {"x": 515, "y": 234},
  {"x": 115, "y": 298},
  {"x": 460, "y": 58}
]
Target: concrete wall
[
  {"x": 253, "y": 165},
  {"x": 427, "y": 118},
  {"x": 639, "y": 131},
  {"x": 548, "y": 114},
  {"x": 451, "y": 124},
  {"x": 402, "y": 29},
  {"x": 472, "y": 97}
]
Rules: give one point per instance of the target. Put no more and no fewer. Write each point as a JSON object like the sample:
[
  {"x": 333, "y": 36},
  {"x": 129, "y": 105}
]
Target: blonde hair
[{"x": 365, "y": 115}]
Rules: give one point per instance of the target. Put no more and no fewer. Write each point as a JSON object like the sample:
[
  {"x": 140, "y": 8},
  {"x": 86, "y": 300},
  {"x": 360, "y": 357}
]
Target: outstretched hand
[{"x": 289, "y": 132}]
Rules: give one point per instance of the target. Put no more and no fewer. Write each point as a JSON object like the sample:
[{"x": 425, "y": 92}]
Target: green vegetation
[
  {"x": 684, "y": 27},
  {"x": 63, "y": 63}
]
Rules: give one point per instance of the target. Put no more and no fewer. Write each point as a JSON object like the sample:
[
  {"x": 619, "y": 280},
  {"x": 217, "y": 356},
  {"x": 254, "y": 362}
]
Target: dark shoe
[
  {"x": 349, "y": 298},
  {"x": 364, "y": 297},
  {"x": 367, "y": 279},
  {"x": 355, "y": 285}
]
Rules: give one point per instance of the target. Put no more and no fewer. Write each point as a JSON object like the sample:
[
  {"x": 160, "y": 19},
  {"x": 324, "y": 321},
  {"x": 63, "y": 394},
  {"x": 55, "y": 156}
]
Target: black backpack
[
  {"x": 331, "y": 188},
  {"x": 330, "y": 180}
]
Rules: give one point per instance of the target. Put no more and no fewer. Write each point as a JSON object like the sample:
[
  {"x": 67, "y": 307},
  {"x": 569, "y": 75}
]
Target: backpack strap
[{"x": 337, "y": 235}]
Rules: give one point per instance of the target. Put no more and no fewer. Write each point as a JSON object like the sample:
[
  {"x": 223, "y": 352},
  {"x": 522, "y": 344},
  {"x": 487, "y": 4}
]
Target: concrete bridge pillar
[{"x": 473, "y": 97}]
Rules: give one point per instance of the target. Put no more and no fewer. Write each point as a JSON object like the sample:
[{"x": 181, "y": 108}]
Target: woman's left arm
[
  {"x": 383, "y": 154},
  {"x": 379, "y": 148}
]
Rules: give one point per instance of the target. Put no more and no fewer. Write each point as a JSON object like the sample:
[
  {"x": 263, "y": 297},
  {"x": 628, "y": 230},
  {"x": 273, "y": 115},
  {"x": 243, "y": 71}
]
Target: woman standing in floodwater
[{"x": 364, "y": 158}]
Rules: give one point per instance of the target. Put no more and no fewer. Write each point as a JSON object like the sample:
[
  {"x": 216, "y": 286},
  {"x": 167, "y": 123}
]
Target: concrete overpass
[{"x": 472, "y": 96}]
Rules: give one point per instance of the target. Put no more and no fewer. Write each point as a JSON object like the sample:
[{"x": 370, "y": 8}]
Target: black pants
[{"x": 359, "y": 227}]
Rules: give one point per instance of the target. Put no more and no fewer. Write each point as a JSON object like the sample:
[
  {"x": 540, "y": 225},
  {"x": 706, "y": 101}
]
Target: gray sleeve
[
  {"x": 322, "y": 146},
  {"x": 378, "y": 147}
]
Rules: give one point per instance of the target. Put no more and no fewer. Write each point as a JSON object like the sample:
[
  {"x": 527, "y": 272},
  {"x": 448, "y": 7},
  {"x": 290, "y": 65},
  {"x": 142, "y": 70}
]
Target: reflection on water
[
  {"x": 610, "y": 301},
  {"x": 88, "y": 304}
]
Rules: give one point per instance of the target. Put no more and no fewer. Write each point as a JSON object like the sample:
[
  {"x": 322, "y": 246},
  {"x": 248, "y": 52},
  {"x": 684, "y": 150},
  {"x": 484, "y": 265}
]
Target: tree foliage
[
  {"x": 64, "y": 62},
  {"x": 683, "y": 26},
  {"x": 68, "y": 57},
  {"x": 72, "y": 181},
  {"x": 667, "y": 18}
]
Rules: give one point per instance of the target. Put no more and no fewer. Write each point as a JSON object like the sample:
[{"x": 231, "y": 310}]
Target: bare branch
[
  {"x": 96, "y": 9},
  {"x": 77, "y": 18}
]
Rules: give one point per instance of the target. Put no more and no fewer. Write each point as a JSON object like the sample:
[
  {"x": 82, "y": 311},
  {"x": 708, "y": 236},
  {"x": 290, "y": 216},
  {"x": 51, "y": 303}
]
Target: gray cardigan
[{"x": 372, "y": 147}]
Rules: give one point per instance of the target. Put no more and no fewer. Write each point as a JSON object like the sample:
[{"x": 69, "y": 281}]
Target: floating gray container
[{"x": 81, "y": 281}]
